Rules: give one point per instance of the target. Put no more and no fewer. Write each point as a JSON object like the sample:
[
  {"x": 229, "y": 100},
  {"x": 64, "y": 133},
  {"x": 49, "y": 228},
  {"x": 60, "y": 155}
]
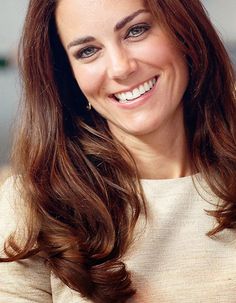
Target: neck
[
  {"x": 162, "y": 160},
  {"x": 162, "y": 154}
]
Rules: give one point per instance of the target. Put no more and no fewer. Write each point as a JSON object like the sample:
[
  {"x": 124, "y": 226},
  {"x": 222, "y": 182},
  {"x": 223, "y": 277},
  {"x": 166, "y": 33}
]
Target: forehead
[
  {"x": 93, "y": 13},
  {"x": 94, "y": 6}
]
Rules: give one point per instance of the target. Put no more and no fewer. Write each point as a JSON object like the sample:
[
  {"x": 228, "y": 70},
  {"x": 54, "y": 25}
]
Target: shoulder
[
  {"x": 13, "y": 210},
  {"x": 28, "y": 279},
  {"x": 10, "y": 198},
  {"x": 9, "y": 195},
  {"x": 9, "y": 190}
]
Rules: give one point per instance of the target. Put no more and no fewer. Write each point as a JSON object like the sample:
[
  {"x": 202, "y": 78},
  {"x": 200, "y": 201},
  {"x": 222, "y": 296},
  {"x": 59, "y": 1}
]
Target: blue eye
[
  {"x": 86, "y": 52},
  {"x": 137, "y": 30}
]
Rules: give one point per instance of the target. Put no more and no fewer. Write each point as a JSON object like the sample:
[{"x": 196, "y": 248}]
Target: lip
[
  {"x": 138, "y": 101},
  {"x": 133, "y": 87}
]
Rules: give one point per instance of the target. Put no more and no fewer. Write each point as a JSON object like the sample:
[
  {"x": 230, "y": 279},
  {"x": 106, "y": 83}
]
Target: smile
[{"x": 124, "y": 97}]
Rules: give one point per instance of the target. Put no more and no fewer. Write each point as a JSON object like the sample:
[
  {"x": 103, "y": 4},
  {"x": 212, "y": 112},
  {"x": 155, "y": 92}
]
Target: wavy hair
[{"x": 81, "y": 185}]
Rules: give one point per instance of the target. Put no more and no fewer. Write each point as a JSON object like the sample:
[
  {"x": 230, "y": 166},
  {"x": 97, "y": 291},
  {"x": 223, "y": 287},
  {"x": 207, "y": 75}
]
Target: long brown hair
[{"x": 80, "y": 184}]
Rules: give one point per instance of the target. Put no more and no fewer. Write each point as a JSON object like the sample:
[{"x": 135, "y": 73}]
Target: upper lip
[{"x": 133, "y": 87}]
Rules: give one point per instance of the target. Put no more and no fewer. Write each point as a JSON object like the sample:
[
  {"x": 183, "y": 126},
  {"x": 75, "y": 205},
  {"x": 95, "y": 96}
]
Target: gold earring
[{"x": 89, "y": 106}]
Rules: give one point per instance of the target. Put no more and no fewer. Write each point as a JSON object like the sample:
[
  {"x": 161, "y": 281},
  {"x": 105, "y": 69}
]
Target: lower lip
[{"x": 136, "y": 102}]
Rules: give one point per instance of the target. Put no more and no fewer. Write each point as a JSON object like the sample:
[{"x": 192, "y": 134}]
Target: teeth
[
  {"x": 146, "y": 86},
  {"x": 142, "y": 89},
  {"x": 129, "y": 96},
  {"x": 137, "y": 92}
]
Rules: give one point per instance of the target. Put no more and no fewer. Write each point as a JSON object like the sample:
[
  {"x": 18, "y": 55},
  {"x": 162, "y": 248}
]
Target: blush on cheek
[{"x": 90, "y": 80}]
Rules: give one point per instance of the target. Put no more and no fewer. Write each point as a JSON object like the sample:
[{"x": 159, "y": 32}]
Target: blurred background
[{"x": 222, "y": 14}]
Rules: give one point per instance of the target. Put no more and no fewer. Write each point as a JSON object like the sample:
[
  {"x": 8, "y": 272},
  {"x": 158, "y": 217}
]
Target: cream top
[{"x": 172, "y": 259}]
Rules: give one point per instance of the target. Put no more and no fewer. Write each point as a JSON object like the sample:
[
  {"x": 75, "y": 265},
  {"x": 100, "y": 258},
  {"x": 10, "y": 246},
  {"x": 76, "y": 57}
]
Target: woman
[{"x": 127, "y": 135}]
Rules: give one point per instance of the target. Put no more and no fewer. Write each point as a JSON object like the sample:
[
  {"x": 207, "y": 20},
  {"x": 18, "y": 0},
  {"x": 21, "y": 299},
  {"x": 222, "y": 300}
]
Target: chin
[{"x": 140, "y": 130}]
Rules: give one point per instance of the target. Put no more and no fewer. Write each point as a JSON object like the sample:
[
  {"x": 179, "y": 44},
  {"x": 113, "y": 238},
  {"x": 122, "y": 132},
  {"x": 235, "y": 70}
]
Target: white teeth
[
  {"x": 129, "y": 96},
  {"x": 146, "y": 86},
  {"x": 142, "y": 89},
  {"x": 123, "y": 97},
  {"x": 137, "y": 92}
]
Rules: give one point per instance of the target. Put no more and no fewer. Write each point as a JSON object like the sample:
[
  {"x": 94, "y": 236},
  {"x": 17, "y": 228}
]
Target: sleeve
[{"x": 26, "y": 281}]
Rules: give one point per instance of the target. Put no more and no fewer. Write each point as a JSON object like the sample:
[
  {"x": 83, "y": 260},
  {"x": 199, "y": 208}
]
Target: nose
[{"x": 120, "y": 64}]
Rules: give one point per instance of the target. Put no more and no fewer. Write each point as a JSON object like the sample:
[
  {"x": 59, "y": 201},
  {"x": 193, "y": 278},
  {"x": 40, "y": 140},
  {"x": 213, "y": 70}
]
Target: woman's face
[{"x": 125, "y": 63}]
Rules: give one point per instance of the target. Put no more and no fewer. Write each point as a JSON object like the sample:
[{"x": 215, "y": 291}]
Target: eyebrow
[
  {"x": 117, "y": 27},
  {"x": 129, "y": 18}
]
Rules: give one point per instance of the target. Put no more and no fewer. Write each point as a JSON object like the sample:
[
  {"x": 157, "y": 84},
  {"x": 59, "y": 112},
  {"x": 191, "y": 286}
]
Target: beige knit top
[{"x": 171, "y": 261}]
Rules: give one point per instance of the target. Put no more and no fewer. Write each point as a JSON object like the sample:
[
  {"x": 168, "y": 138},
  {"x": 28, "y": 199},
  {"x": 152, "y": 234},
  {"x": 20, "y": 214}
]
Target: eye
[
  {"x": 137, "y": 30},
  {"x": 86, "y": 52}
]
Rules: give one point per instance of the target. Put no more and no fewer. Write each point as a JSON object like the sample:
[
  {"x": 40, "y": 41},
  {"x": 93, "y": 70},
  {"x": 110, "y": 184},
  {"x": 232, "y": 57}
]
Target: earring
[{"x": 89, "y": 106}]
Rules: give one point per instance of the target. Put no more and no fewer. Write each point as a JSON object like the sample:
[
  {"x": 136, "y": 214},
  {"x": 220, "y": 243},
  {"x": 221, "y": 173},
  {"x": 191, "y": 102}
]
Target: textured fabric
[
  {"x": 172, "y": 260},
  {"x": 27, "y": 281}
]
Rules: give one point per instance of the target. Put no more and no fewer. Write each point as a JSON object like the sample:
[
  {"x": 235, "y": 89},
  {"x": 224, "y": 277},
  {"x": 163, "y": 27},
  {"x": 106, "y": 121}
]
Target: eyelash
[{"x": 143, "y": 27}]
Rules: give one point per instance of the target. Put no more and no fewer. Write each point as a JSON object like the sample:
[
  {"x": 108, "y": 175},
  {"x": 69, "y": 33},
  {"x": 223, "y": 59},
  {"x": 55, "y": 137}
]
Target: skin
[{"x": 120, "y": 58}]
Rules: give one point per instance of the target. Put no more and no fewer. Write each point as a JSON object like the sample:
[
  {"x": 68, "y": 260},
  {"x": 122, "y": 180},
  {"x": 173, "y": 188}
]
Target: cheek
[
  {"x": 89, "y": 79},
  {"x": 159, "y": 55},
  {"x": 170, "y": 61},
  {"x": 159, "y": 51}
]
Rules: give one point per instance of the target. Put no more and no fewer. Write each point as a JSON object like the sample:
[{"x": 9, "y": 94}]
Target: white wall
[
  {"x": 223, "y": 15},
  {"x": 12, "y": 13},
  {"x": 222, "y": 12}
]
